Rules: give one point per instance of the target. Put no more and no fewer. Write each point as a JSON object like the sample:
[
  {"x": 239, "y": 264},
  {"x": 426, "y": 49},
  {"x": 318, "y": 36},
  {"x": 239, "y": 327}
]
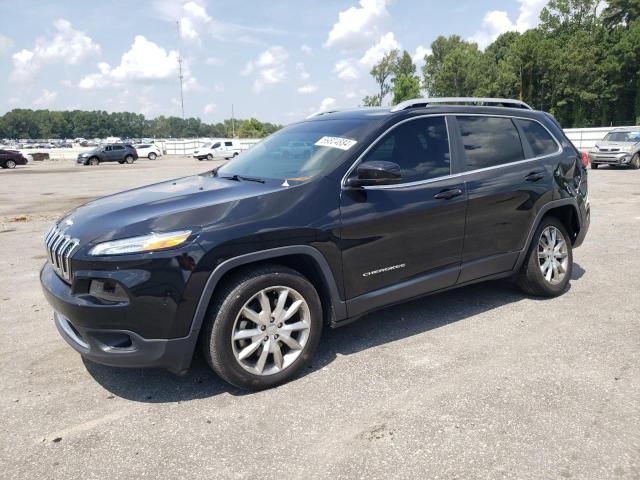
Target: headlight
[
  {"x": 83, "y": 154},
  {"x": 145, "y": 243},
  {"x": 629, "y": 148}
]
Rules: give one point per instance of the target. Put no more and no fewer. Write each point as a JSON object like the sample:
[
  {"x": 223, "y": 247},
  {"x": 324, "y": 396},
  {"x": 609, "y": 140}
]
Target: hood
[
  {"x": 609, "y": 145},
  {"x": 184, "y": 203}
]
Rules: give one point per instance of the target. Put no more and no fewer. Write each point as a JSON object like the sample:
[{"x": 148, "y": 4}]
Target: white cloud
[
  {"x": 497, "y": 22},
  {"x": 269, "y": 67},
  {"x": 209, "y": 108},
  {"x": 306, "y": 49},
  {"x": 327, "y": 103},
  {"x": 45, "y": 99},
  {"x": 67, "y": 45},
  {"x": 302, "y": 71},
  {"x": 357, "y": 25},
  {"x": 375, "y": 53},
  {"x": 193, "y": 21},
  {"x": 215, "y": 61},
  {"x": 347, "y": 69},
  {"x": 418, "y": 56},
  {"x": 144, "y": 61},
  {"x": 6, "y": 44},
  {"x": 307, "y": 89}
]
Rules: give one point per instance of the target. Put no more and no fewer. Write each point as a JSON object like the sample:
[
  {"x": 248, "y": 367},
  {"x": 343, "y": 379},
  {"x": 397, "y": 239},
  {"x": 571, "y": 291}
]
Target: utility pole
[
  {"x": 233, "y": 124},
  {"x": 180, "y": 76}
]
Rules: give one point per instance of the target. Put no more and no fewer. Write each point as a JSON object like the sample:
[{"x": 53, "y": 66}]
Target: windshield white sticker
[{"x": 336, "y": 142}]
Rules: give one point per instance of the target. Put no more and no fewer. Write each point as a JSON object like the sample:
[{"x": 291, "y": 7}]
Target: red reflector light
[{"x": 585, "y": 159}]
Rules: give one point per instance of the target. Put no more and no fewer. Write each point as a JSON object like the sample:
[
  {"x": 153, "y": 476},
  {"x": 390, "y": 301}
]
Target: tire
[
  {"x": 635, "y": 161},
  {"x": 594, "y": 166},
  {"x": 10, "y": 164},
  {"x": 3, "y": 165},
  {"x": 209, "y": 157},
  {"x": 93, "y": 161},
  {"x": 152, "y": 156},
  {"x": 530, "y": 278},
  {"x": 235, "y": 154},
  {"x": 129, "y": 159},
  {"x": 121, "y": 162},
  {"x": 243, "y": 292}
]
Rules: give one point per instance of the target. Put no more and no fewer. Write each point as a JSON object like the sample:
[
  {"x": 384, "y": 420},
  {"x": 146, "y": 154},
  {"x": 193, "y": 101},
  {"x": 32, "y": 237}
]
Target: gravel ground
[{"x": 482, "y": 382}]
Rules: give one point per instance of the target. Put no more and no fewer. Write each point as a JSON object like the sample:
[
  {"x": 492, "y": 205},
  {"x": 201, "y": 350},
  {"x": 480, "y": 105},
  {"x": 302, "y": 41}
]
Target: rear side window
[
  {"x": 489, "y": 141},
  {"x": 420, "y": 147},
  {"x": 542, "y": 143},
  {"x": 118, "y": 147},
  {"x": 227, "y": 144}
]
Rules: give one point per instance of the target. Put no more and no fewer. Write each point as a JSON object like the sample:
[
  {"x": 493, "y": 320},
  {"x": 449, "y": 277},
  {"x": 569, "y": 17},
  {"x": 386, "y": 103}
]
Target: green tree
[{"x": 382, "y": 73}]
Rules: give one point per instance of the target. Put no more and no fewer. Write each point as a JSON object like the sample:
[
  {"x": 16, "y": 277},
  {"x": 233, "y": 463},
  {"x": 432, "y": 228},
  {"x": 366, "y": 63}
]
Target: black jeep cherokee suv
[{"x": 252, "y": 259}]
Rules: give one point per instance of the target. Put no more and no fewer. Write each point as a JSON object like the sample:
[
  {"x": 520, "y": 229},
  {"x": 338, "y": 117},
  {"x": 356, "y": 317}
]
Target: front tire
[
  {"x": 635, "y": 161},
  {"x": 264, "y": 327},
  {"x": 10, "y": 164},
  {"x": 93, "y": 161},
  {"x": 209, "y": 157},
  {"x": 547, "y": 269}
]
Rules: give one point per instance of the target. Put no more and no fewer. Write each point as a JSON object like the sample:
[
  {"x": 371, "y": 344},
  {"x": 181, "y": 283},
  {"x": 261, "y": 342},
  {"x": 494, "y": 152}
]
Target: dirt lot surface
[{"x": 482, "y": 382}]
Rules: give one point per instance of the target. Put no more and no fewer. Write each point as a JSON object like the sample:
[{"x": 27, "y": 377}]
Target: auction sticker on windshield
[{"x": 336, "y": 142}]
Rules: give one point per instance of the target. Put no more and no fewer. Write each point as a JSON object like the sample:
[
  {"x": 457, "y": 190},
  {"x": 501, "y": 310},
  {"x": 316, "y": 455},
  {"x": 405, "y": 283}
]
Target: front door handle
[
  {"x": 534, "y": 176},
  {"x": 448, "y": 194}
]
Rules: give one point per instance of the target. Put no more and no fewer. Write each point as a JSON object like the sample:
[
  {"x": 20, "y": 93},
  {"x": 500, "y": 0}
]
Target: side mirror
[{"x": 375, "y": 173}]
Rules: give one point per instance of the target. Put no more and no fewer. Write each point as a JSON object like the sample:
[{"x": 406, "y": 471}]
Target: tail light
[{"x": 585, "y": 159}]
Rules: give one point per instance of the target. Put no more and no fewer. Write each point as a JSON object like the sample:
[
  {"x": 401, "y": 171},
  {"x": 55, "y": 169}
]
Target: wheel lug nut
[
  {"x": 271, "y": 321},
  {"x": 263, "y": 328},
  {"x": 276, "y": 336},
  {"x": 266, "y": 338},
  {"x": 279, "y": 325}
]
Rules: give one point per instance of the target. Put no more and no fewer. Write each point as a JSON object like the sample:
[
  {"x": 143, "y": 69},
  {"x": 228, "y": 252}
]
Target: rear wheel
[
  {"x": 93, "y": 161},
  {"x": 635, "y": 161},
  {"x": 594, "y": 166},
  {"x": 152, "y": 156},
  {"x": 129, "y": 159},
  {"x": 547, "y": 269},
  {"x": 10, "y": 164},
  {"x": 264, "y": 328}
]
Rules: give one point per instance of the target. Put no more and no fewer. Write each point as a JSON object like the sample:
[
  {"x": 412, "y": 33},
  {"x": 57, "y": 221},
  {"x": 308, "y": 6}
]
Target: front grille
[{"x": 60, "y": 248}]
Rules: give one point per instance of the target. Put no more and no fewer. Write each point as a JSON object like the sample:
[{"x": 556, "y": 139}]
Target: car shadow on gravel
[{"x": 380, "y": 327}]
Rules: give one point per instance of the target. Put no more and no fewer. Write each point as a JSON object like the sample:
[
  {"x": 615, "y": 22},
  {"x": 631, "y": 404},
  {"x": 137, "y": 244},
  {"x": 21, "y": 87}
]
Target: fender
[
  {"x": 541, "y": 213},
  {"x": 338, "y": 305}
]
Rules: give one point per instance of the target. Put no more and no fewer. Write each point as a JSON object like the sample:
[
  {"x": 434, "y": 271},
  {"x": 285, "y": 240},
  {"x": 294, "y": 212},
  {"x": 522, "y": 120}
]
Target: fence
[
  {"x": 584, "y": 138},
  {"x": 187, "y": 147}
]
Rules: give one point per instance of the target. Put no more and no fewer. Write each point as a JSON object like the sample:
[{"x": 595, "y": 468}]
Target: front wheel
[
  {"x": 209, "y": 157},
  {"x": 263, "y": 328},
  {"x": 635, "y": 161},
  {"x": 93, "y": 161},
  {"x": 10, "y": 164},
  {"x": 547, "y": 269}
]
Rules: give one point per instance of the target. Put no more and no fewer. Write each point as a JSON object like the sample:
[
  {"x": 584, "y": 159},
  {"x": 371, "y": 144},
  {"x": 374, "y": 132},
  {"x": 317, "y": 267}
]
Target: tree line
[
  {"x": 45, "y": 124},
  {"x": 580, "y": 64}
]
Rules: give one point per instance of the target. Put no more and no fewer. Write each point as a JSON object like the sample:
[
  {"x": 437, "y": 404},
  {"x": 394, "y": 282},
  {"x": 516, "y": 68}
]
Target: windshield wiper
[{"x": 238, "y": 178}]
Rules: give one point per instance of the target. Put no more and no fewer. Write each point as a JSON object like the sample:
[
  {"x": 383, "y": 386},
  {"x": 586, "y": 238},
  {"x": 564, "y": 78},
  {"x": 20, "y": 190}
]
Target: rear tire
[
  {"x": 548, "y": 266},
  {"x": 129, "y": 159},
  {"x": 635, "y": 161},
  {"x": 263, "y": 327},
  {"x": 594, "y": 166},
  {"x": 152, "y": 156}
]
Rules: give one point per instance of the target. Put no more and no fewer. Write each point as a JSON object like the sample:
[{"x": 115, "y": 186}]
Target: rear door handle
[
  {"x": 448, "y": 194},
  {"x": 534, "y": 176}
]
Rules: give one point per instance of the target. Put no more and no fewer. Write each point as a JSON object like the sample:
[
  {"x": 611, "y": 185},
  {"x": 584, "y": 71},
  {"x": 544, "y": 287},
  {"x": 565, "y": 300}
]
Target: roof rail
[
  {"x": 322, "y": 112},
  {"x": 425, "y": 102}
]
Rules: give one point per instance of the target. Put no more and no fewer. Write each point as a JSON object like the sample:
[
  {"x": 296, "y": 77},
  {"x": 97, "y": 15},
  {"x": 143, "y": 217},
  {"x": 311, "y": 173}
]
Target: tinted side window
[
  {"x": 215, "y": 145},
  {"x": 227, "y": 144},
  {"x": 542, "y": 143},
  {"x": 489, "y": 141},
  {"x": 118, "y": 147},
  {"x": 420, "y": 147}
]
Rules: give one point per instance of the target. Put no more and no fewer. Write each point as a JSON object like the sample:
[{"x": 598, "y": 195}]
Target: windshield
[
  {"x": 298, "y": 152},
  {"x": 623, "y": 137},
  {"x": 206, "y": 145}
]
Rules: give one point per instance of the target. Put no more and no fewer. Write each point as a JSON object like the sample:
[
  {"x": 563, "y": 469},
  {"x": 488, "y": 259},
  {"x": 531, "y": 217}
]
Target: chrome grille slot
[{"x": 60, "y": 248}]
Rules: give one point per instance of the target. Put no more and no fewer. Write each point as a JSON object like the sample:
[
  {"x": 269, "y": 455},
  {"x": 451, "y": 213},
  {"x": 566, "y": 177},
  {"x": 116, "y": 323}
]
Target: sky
[{"x": 276, "y": 60}]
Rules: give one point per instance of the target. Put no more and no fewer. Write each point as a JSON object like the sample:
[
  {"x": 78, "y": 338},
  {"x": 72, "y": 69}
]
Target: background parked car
[
  {"x": 619, "y": 147},
  {"x": 11, "y": 158},
  {"x": 148, "y": 150},
  {"x": 223, "y": 148},
  {"x": 119, "y": 152}
]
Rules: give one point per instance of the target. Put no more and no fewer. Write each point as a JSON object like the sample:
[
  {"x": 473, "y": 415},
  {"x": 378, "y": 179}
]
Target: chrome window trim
[{"x": 455, "y": 175}]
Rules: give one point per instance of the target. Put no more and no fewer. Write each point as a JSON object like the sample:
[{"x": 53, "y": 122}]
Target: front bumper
[
  {"x": 622, "y": 158},
  {"x": 82, "y": 325}
]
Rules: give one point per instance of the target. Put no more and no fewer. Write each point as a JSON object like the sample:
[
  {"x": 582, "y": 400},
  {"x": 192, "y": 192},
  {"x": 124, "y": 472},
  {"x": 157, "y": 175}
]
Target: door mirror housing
[{"x": 375, "y": 173}]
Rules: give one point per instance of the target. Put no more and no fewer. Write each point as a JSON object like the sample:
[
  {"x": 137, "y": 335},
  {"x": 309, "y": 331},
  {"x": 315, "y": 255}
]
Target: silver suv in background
[{"x": 619, "y": 147}]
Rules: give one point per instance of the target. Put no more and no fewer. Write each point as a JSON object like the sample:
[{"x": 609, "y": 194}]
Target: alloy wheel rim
[
  {"x": 271, "y": 330},
  {"x": 11, "y": 164},
  {"x": 553, "y": 255}
]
